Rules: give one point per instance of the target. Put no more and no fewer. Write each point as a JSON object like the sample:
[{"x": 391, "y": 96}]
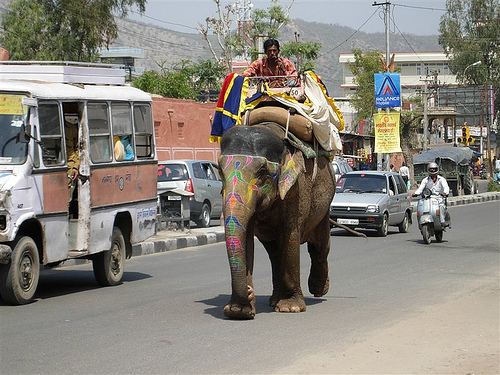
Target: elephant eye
[{"x": 262, "y": 173}]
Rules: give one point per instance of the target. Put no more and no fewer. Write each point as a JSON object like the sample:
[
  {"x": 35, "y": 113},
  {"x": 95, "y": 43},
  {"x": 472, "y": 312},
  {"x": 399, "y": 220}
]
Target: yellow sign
[
  {"x": 11, "y": 104},
  {"x": 387, "y": 132}
]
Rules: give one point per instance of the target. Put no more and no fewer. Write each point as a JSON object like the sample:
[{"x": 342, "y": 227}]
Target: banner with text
[{"x": 387, "y": 132}]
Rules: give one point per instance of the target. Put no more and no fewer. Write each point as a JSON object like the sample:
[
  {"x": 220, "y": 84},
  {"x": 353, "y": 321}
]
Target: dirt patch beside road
[{"x": 459, "y": 336}]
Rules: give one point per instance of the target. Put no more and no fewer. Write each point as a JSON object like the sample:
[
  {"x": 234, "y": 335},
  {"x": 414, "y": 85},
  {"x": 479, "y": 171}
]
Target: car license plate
[
  {"x": 348, "y": 221},
  {"x": 174, "y": 197}
]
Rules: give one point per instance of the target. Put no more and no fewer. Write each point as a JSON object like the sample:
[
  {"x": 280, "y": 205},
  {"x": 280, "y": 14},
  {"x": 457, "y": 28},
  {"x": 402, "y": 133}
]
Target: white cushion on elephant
[{"x": 321, "y": 114}]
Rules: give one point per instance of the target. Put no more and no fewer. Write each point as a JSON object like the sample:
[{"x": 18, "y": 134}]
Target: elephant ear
[{"x": 290, "y": 170}]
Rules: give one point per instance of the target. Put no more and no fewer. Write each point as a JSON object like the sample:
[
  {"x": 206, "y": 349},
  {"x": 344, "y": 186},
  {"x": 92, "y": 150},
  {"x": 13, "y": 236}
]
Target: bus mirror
[{"x": 24, "y": 134}]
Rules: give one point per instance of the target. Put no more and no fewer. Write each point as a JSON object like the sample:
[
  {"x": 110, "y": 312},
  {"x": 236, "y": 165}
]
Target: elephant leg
[
  {"x": 238, "y": 307},
  {"x": 289, "y": 297},
  {"x": 318, "y": 246},
  {"x": 274, "y": 256}
]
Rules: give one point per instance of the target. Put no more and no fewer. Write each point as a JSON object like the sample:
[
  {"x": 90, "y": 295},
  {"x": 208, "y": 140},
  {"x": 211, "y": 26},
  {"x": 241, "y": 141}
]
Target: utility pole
[
  {"x": 243, "y": 17},
  {"x": 387, "y": 19}
]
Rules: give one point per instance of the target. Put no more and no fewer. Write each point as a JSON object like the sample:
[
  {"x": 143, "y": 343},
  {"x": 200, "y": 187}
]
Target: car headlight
[{"x": 373, "y": 209}]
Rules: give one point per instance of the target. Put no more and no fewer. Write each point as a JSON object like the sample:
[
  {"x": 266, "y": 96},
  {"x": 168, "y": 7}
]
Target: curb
[
  {"x": 468, "y": 199},
  {"x": 159, "y": 244}
]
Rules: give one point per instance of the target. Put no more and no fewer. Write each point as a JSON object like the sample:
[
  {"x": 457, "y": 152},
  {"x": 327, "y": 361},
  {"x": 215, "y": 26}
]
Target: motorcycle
[
  {"x": 428, "y": 217},
  {"x": 483, "y": 174}
]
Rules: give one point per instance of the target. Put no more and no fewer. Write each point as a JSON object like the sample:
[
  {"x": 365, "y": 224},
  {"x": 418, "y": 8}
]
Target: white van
[{"x": 53, "y": 208}]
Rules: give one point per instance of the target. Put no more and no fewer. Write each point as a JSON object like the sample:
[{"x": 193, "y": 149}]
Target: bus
[{"x": 78, "y": 171}]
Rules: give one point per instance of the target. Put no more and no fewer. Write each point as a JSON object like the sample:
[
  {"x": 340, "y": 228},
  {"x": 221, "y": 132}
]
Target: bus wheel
[
  {"x": 19, "y": 278},
  {"x": 109, "y": 265}
]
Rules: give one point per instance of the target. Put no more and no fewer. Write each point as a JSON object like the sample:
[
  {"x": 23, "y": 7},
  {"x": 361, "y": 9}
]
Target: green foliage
[
  {"x": 365, "y": 65},
  {"x": 305, "y": 53},
  {"x": 70, "y": 30},
  {"x": 267, "y": 22},
  {"x": 492, "y": 186},
  {"x": 470, "y": 32},
  {"x": 184, "y": 80}
]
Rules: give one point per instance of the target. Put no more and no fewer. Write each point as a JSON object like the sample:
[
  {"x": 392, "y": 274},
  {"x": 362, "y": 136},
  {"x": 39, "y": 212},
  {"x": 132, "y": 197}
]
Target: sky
[{"x": 417, "y": 17}]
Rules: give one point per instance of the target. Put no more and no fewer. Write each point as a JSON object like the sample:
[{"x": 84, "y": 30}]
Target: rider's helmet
[{"x": 432, "y": 168}]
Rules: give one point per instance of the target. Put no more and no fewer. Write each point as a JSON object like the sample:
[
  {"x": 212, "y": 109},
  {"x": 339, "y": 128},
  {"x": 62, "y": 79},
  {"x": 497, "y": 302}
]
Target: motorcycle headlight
[{"x": 373, "y": 209}]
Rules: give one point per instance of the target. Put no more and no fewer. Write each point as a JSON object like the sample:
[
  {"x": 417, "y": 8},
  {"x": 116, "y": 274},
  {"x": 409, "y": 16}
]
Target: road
[{"x": 395, "y": 305}]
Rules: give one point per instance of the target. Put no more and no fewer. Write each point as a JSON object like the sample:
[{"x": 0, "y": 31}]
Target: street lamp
[{"x": 471, "y": 65}]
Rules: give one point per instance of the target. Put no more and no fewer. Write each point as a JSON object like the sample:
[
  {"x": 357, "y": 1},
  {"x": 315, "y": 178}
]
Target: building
[
  {"x": 450, "y": 104},
  {"x": 125, "y": 56}
]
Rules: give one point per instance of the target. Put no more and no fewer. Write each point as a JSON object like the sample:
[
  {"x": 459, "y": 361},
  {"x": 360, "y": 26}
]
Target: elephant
[{"x": 272, "y": 192}]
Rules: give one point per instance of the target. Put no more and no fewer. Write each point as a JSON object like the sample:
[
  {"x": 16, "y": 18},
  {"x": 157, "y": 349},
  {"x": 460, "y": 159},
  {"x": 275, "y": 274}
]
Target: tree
[
  {"x": 470, "y": 32},
  {"x": 184, "y": 80},
  {"x": 229, "y": 43},
  {"x": 363, "y": 68},
  {"x": 304, "y": 52},
  {"x": 70, "y": 30}
]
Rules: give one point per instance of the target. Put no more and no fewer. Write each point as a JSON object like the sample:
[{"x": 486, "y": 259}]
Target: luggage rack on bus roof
[{"x": 63, "y": 72}]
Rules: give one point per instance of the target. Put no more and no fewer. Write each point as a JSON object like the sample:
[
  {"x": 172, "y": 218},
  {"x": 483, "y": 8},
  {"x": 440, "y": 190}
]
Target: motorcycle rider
[{"x": 439, "y": 187}]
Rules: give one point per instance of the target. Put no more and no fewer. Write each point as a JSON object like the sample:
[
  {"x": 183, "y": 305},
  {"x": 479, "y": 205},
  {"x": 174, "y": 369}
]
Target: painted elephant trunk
[{"x": 241, "y": 196}]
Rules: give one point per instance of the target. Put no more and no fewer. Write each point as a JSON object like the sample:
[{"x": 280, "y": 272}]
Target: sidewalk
[{"x": 166, "y": 240}]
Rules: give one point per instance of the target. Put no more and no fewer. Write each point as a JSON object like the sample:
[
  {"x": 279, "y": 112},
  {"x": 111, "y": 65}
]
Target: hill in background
[{"x": 163, "y": 47}]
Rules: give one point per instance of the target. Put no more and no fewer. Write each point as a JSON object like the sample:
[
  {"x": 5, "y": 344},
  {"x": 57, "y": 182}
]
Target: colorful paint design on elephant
[{"x": 241, "y": 170}]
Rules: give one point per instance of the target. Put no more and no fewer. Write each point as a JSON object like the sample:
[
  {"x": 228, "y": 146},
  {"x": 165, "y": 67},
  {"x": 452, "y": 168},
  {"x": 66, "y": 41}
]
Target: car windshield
[
  {"x": 11, "y": 121},
  {"x": 362, "y": 183},
  {"x": 172, "y": 172}
]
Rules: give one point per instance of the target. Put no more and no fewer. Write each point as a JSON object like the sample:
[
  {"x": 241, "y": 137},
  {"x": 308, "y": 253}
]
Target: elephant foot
[
  {"x": 319, "y": 287},
  {"x": 241, "y": 311},
  {"x": 289, "y": 305}
]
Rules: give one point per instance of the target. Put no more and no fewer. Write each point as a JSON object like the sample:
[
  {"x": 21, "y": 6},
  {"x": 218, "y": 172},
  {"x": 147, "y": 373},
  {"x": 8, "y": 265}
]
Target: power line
[
  {"x": 417, "y": 7},
  {"x": 349, "y": 37},
  {"x": 166, "y": 22}
]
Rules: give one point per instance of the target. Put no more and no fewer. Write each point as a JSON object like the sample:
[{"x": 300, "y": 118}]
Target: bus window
[
  {"x": 143, "y": 130},
  {"x": 121, "y": 116},
  {"x": 11, "y": 121},
  {"x": 50, "y": 132},
  {"x": 100, "y": 138}
]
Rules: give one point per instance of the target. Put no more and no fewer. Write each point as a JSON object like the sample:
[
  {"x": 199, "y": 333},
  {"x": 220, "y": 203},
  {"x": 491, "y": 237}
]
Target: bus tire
[
  {"x": 109, "y": 265},
  {"x": 19, "y": 278}
]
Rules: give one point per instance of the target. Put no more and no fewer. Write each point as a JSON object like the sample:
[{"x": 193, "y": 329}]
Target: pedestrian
[
  {"x": 391, "y": 168},
  {"x": 404, "y": 171}
]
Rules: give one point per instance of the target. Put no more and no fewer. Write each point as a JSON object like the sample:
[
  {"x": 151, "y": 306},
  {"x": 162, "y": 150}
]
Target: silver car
[
  {"x": 199, "y": 177},
  {"x": 372, "y": 200}
]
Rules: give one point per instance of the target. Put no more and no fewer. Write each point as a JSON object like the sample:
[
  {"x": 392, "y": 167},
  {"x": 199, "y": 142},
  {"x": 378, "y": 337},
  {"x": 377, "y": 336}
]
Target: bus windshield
[{"x": 11, "y": 121}]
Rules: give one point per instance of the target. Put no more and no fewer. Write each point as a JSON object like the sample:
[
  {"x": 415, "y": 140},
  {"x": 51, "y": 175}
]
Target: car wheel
[
  {"x": 384, "y": 228},
  {"x": 204, "y": 221},
  {"x": 405, "y": 224},
  {"x": 19, "y": 278}
]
